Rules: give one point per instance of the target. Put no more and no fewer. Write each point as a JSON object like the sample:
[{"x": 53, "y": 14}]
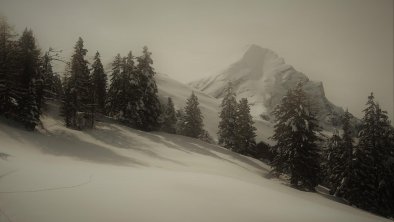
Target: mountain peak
[{"x": 257, "y": 56}]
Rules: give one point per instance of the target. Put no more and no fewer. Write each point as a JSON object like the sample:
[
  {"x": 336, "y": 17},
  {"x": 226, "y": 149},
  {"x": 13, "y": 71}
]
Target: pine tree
[
  {"x": 283, "y": 112},
  {"x": 49, "y": 90},
  {"x": 333, "y": 166},
  {"x": 133, "y": 91},
  {"x": 295, "y": 133},
  {"x": 227, "y": 125},
  {"x": 116, "y": 95},
  {"x": 245, "y": 131},
  {"x": 10, "y": 90},
  {"x": 193, "y": 119},
  {"x": 371, "y": 176},
  {"x": 346, "y": 157},
  {"x": 362, "y": 185},
  {"x": 67, "y": 109},
  {"x": 385, "y": 177},
  {"x": 77, "y": 95},
  {"x": 150, "y": 108},
  {"x": 169, "y": 120},
  {"x": 180, "y": 123},
  {"x": 99, "y": 80},
  {"x": 30, "y": 81}
]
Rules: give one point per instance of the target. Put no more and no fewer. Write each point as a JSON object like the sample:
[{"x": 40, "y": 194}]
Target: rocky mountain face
[{"x": 264, "y": 78}]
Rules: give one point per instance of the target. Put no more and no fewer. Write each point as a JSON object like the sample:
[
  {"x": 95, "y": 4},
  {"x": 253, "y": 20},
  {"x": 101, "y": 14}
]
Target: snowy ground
[{"x": 114, "y": 173}]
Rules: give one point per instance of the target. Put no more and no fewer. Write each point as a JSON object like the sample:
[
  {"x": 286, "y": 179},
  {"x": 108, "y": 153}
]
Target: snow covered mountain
[{"x": 264, "y": 78}]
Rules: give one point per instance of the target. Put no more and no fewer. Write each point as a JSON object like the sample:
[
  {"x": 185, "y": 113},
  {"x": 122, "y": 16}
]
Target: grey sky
[{"x": 347, "y": 44}]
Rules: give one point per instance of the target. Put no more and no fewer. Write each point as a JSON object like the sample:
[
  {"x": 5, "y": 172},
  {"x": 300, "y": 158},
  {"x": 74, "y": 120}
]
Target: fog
[{"x": 346, "y": 44}]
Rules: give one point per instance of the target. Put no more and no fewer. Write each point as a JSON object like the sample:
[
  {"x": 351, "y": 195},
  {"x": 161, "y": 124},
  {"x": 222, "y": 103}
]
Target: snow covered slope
[
  {"x": 114, "y": 173},
  {"x": 209, "y": 105},
  {"x": 263, "y": 77}
]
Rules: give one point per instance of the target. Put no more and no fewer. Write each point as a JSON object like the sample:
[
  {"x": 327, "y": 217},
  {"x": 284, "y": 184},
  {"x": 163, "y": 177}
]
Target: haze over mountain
[{"x": 264, "y": 78}]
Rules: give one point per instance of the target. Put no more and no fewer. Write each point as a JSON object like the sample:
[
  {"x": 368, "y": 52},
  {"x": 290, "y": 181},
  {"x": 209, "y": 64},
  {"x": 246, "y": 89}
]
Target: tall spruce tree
[
  {"x": 245, "y": 131},
  {"x": 345, "y": 157},
  {"x": 133, "y": 91},
  {"x": 371, "y": 176},
  {"x": 30, "y": 81},
  {"x": 228, "y": 120},
  {"x": 10, "y": 90},
  {"x": 77, "y": 89},
  {"x": 169, "y": 119},
  {"x": 295, "y": 133},
  {"x": 193, "y": 119},
  {"x": 99, "y": 80},
  {"x": 51, "y": 85},
  {"x": 116, "y": 95},
  {"x": 334, "y": 159},
  {"x": 150, "y": 108}
]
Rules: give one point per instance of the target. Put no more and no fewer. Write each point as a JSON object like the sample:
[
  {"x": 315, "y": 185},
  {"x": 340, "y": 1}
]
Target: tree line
[
  {"x": 27, "y": 80},
  {"x": 361, "y": 173}
]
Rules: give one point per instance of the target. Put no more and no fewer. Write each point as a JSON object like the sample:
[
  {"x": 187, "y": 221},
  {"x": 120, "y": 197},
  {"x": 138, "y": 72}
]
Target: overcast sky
[{"x": 346, "y": 44}]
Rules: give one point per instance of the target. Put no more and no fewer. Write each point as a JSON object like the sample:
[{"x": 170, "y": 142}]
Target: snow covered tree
[
  {"x": 133, "y": 90},
  {"x": 150, "y": 108},
  {"x": 371, "y": 176},
  {"x": 77, "y": 90},
  {"x": 10, "y": 89},
  {"x": 52, "y": 88},
  {"x": 99, "y": 80},
  {"x": 228, "y": 120},
  {"x": 116, "y": 94},
  {"x": 193, "y": 119},
  {"x": 30, "y": 81},
  {"x": 345, "y": 158},
  {"x": 334, "y": 162},
  {"x": 295, "y": 133},
  {"x": 169, "y": 118},
  {"x": 180, "y": 123},
  {"x": 245, "y": 131}
]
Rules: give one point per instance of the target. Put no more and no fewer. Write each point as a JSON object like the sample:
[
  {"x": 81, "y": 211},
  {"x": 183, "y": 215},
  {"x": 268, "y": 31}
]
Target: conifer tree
[
  {"x": 180, "y": 123},
  {"x": 228, "y": 120},
  {"x": 150, "y": 108},
  {"x": 133, "y": 91},
  {"x": 334, "y": 158},
  {"x": 245, "y": 131},
  {"x": 193, "y": 119},
  {"x": 295, "y": 133},
  {"x": 30, "y": 81},
  {"x": 371, "y": 176},
  {"x": 362, "y": 191},
  {"x": 169, "y": 120},
  {"x": 346, "y": 158},
  {"x": 99, "y": 80},
  {"x": 78, "y": 84},
  {"x": 116, "y": 95},
  {"x": 67, "y": 109},
  {"x": 10, "y": 90},
  {"x": 49, "y": 90}
]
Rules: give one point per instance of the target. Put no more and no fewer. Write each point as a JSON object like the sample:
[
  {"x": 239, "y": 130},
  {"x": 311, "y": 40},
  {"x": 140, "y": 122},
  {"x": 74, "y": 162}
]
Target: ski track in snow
[{"x": 49, "y": 188}]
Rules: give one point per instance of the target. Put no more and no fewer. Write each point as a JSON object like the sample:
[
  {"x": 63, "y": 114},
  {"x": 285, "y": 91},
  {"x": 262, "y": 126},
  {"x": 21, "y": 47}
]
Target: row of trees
[
  {"x": 26, "y": 76},
  {"x": 361, "y": 173},
  {"x": 27, "y": 81},
  {"x": 236, "y": 130},
  {"x": 131, "y": 97}
]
